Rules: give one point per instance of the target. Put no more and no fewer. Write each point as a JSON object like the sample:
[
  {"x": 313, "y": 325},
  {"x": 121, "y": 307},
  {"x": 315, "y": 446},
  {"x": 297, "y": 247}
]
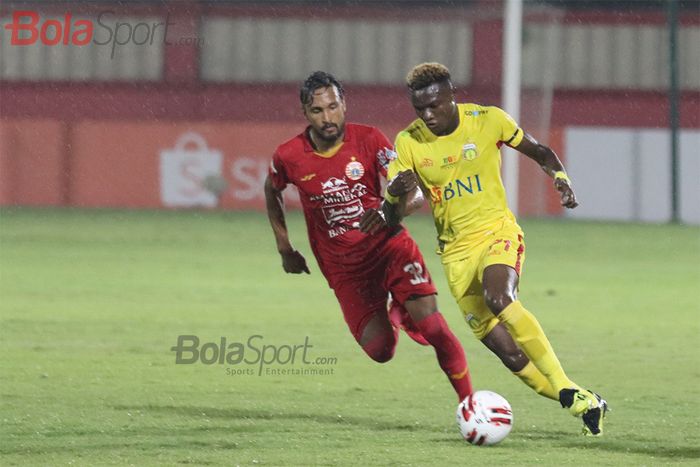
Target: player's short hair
[
  {"x": 316, "y": 80},
  {"x": 425, "y": 74}
]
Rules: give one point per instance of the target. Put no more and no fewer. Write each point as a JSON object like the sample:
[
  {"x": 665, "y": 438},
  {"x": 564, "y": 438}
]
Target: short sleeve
[
  {"x": 508, "y": 130},
  {"x": 277, "y": 172},
  {"x": 384, "y": 151},
  {"x": 404, "y": 157},
  {"x": 402, "y": 162}
]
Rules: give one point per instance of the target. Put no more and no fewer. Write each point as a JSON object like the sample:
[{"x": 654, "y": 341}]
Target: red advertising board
[{"x": 139, "y": 164}]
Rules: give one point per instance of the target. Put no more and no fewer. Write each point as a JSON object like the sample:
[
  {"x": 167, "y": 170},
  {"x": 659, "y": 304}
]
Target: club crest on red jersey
[{"x": 354, "y": 170}]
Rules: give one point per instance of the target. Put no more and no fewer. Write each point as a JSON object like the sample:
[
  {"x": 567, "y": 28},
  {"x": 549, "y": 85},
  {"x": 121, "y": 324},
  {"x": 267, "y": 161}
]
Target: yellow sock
[
  {"x": 531, "y": 376},
  {"x": 528, "y": 333}
]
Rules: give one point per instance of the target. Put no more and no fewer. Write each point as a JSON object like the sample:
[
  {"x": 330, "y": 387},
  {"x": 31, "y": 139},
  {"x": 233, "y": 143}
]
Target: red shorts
[{"x": 398, "y": 268}]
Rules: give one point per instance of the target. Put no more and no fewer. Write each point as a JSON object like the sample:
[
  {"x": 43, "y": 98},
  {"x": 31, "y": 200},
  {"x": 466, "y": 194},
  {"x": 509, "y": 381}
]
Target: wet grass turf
[{"x": 92, "y": 301}]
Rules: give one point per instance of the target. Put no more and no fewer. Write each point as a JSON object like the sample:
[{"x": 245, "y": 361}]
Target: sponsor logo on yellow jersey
[{"x": 457, "y": 188}]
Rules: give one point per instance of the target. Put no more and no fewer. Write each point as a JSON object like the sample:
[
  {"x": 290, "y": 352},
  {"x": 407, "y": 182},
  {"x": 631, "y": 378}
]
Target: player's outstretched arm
[
  {"x": 550, "y": 163},
  {"x": 292, "y": 261}
]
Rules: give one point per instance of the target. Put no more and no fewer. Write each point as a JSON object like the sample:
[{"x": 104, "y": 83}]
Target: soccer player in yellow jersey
[{"x": 454, "y": 149}]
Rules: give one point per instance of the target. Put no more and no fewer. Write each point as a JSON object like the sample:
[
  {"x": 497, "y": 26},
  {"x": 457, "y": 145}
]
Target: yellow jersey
[{"x": 460, "y": 174}]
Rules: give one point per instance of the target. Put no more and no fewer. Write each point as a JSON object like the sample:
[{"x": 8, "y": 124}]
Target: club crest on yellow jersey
[{"x": 469, "y": 152}]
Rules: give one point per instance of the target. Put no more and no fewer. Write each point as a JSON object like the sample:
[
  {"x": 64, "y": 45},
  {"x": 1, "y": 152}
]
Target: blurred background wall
[{"x": 181, "y": 104}]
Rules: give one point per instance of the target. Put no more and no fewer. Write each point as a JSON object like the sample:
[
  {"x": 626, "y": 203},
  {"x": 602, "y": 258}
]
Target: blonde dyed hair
[{"x": 425, "y": 74}]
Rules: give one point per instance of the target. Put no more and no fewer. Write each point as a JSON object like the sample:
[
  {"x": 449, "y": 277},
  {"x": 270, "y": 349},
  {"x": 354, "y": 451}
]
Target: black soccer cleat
[
  {"x": 593, "y": 418},
  {"x": 566, "y": 397},
  {"x": 587, "y": 405}
]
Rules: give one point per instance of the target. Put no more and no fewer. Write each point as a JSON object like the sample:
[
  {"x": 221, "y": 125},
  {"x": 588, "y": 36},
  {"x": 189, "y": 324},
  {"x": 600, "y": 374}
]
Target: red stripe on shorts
[{"x": 521, "y": 250}]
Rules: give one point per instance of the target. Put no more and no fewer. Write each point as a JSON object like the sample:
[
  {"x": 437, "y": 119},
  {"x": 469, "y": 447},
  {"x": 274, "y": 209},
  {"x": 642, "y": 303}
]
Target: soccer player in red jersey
[{"x": 337, "y": 168}]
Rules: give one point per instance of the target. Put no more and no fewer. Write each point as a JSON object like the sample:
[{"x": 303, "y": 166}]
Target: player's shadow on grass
[
  {"x": 514, "y": 439},
  {"x": 563, "y": 439},
  {"x": 238, "y": 420},
  {"x": 240, "y": 414},
  {"x": 647, "y": 447}
]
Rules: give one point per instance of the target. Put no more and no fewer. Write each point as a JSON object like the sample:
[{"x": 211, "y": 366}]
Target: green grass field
[{"x": 92, "y": 301}]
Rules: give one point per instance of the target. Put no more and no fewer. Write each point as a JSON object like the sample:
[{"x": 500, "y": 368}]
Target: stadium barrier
[
  {"x": 618, "y": 173},
  {"x": 130, "y": 164}
]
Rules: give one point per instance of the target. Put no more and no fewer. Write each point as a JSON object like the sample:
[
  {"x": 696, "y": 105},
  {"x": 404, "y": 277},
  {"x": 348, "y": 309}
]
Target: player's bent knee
[
  {"x": 381, "y": 348},
  {"x": 514, "y": 361},
  {"x": 498, "y": 301},
  {"x": 380, "y": 355}
]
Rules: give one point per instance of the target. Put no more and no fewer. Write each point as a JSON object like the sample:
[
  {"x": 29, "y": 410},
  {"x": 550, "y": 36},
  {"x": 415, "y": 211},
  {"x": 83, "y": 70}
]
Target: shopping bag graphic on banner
[{"x": 190, "y": 173}]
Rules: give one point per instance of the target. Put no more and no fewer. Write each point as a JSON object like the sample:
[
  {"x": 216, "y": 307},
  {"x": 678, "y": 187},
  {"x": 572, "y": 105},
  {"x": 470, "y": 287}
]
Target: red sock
[
  {"x": 449, "y": 352},
  {"x": 399, "y": 317}
]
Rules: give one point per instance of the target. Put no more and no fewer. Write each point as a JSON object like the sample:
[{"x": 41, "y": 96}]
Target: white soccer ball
[{"x": 484, "y": 418}]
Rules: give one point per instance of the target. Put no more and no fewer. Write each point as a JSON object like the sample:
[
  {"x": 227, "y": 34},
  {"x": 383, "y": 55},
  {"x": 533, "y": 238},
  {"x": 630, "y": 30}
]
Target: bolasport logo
[
  {"x": 28, "y": 27},
  {"x": 255, "y": 356}
]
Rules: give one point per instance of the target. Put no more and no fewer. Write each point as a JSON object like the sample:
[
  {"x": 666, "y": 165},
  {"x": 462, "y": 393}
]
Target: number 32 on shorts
[{"x": 416, "y": 271}]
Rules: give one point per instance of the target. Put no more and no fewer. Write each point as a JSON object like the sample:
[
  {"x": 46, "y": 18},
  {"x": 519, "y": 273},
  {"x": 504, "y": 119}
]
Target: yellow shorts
[{"x": 464, "y": 276}]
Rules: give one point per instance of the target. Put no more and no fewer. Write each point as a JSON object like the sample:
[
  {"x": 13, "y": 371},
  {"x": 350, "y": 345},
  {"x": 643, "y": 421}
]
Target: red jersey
[{"x": 336, "y": 191}]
